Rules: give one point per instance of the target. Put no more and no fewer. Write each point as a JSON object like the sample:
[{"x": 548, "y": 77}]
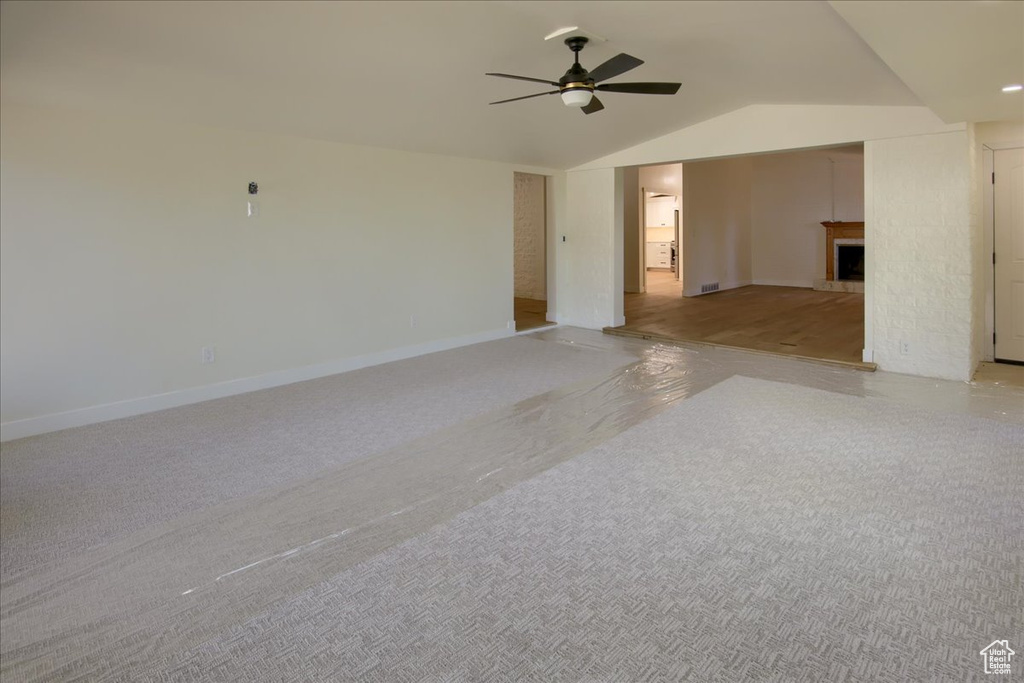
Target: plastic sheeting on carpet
[{"x": 109, "y": 612}]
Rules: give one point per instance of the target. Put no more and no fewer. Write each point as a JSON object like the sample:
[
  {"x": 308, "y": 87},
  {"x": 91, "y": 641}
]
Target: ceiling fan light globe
[{"x": 577, "y": 98}]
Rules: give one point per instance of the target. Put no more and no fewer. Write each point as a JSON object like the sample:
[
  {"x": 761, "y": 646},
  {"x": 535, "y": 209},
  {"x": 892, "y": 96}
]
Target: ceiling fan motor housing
[{"x": 576, "y": 78}]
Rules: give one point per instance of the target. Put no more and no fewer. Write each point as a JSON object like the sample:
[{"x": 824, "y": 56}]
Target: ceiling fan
[{"x": 577, "y": 86}]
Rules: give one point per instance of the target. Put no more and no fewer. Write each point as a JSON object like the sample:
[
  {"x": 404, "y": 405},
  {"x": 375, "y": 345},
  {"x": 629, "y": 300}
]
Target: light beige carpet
[
  {"x": 758, "y": 531},
  {"x": 67, "y": 492},
  {"x": 753, "y": 531}
]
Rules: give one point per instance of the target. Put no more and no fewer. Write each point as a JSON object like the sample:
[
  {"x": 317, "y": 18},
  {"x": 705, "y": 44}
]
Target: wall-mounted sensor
[{"x": 253, "y": 188}]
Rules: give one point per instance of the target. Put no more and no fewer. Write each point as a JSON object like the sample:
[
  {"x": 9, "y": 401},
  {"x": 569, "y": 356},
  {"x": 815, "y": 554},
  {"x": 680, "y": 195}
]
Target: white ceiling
[
  {"x": 410, "y": 75},
  {"x": 956, "y": 56}
]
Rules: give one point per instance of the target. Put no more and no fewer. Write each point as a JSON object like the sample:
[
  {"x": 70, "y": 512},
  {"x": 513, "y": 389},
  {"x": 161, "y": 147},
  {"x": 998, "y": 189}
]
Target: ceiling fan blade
[
  {"x": 525, "y": 78},
  {"x": 595, "y": 105},
  {"x": 525, "y": 97},
  {"x": 616, "y": 66},
  {"x": 642, "y": 88}
]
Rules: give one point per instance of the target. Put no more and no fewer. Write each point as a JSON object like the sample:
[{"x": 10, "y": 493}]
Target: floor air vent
[{"x": 709, "y": 287}]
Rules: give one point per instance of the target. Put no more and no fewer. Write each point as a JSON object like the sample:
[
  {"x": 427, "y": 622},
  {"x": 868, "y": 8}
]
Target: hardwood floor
[
  {"x": 530, "y": 314},
  {"x": 787, "y": 320},
  {"x": 1000, "y": 374}
]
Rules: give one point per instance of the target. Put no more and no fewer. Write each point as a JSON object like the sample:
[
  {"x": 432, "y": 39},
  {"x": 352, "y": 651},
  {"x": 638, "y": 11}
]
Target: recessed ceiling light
[{"x": 1013, "y": 88}]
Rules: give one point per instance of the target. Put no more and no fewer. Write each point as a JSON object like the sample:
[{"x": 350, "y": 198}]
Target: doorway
[
  {"x": 660, "y": 194},
  {"x": 753, "y": 260},
  {"x": 530, "y": 251},
  {"x": 1008, "y": 254}
]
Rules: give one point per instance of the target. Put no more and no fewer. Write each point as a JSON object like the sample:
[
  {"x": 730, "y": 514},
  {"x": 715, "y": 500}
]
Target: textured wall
[
  {"x": 529, "y": 243},
  {"x": 922, "y": 228},
  {"x": 589, "y": 255},
  {"x": 980, "y": 260}
]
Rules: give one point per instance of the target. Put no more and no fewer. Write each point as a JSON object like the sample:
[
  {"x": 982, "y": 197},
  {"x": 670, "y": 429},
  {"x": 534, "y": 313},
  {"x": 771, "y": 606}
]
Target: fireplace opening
[{"x": 850, "y": 262}]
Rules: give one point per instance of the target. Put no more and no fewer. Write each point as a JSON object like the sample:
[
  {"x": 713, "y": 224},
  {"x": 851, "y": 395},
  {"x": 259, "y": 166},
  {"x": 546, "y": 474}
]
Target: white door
[{"x": 1008, "y": 195}]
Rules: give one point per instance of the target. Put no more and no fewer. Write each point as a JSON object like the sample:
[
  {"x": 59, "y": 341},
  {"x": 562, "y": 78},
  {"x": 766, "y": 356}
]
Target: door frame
[
  {"x": 546, "y": 242},
  {"x": 679, "y": 239},
  {"x": 988, "y": 163},
  {"x": 643, "y": 239}
]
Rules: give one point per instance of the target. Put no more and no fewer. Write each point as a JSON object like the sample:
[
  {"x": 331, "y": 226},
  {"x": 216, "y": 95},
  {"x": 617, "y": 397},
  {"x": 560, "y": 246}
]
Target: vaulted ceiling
[{"x": 410, "y": 75}]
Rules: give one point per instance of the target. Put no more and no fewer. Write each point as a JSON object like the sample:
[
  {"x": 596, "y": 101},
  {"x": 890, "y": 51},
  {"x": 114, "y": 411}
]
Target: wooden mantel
[{"x": 839, "y": 230}]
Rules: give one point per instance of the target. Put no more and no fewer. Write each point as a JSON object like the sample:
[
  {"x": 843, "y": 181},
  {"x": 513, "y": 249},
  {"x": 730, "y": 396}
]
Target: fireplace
[
  {"x": 844, "y": 257},
  {"x": 849, "y": 259}
]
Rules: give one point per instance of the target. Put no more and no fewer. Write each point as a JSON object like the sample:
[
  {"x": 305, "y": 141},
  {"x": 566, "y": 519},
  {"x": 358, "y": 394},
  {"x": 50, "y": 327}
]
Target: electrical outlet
[
  {"x": 413, "y": 322},
  {"x": 904, "y": 347},
  {"x": 511, "y": 324},
  {"x": 209, "y": 355}
]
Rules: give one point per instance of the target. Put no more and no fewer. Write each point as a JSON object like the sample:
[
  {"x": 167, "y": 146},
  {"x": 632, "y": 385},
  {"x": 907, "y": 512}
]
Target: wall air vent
[{"x": 709, "y": 287}]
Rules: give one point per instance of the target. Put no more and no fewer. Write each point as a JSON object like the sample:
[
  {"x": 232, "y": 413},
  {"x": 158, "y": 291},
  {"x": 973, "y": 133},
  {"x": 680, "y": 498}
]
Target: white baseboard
[
  {"x": 552, "y": 326},
  {"x": 19, "y": 429},
  {"x": 806, "y": 284},
  {"x": 568, "y": 321}
]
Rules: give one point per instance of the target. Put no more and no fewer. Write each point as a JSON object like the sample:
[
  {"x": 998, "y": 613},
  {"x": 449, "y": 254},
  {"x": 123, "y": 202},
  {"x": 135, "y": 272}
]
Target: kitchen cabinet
[
  {"x": 659, "y": 254},
  {"x": 661, "y": 212}
]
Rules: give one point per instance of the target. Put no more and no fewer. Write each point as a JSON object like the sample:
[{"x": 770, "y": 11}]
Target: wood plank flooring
[
  {"x": 1000, "y": 374},
  {"x": 786, "y": 320},
  {"x": 530, "y": 314}
]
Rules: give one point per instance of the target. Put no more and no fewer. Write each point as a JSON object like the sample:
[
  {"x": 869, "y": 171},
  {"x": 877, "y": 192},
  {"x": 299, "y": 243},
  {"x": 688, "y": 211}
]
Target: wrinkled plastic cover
[{"x": 121, "y": 609}]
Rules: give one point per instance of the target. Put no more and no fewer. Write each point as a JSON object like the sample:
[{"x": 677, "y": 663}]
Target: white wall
[
  {"x": 632, "y": 234},
  {"x": 662, "y": 179},
  {"x": 788, "y": 196},
  {"x": 529, "y": 242},
  {"x": 125, "y": 249},
  {"x": 978, "y": 254},
  {"x": 922, "y": 233},
  {"x": 590, "y": 293},
  {"x": 773, "y": 127},
  {"x": 791, "y": 194},
  {"x": 1000, "y": 134},
  {"x": 557, "y": 195},
  {"x": 716, "y": 223}
]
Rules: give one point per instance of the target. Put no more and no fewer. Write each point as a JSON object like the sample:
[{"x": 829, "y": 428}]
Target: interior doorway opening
[
  {"x": 530, "y": 266},
  {"x": 750, "y": 240},
  {"x": 1008, "y": 256}
]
